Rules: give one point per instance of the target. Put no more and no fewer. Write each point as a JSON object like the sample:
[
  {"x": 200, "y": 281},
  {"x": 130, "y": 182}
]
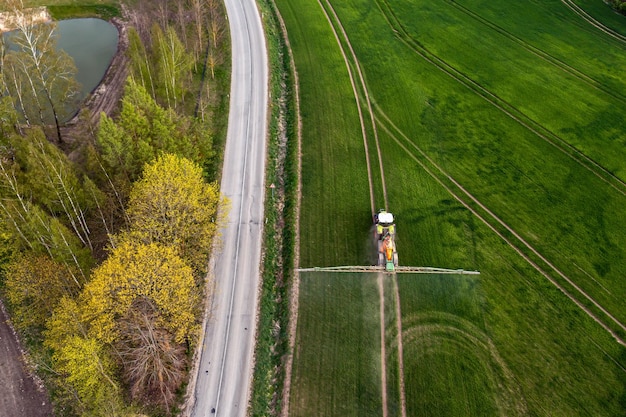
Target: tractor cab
[{"x": 385, "y": 237}]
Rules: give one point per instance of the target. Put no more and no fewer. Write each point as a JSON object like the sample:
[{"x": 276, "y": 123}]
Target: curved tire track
[{"x": 593, "y": 22}]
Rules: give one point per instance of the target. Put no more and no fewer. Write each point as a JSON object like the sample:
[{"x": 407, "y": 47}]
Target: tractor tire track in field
[
  {"x": 563, "y": 66},
  {"x": 512, "y": 112},
  {"x": 543, "y": 133},
  {"x": 383, "y": 355},
  {"x": 436, "y": 172},
  {"x": 593, "y": 22},
  {"x": 396, "y": 297},
  {"x": 461, "y": 195},
  {"x": 554, "y": 140},
  {"x": 449, "y": 334},
  {"x": 367, "y": 100},
  {"x": 361, "y": 79},
  {"x": 360, "y": 111}
]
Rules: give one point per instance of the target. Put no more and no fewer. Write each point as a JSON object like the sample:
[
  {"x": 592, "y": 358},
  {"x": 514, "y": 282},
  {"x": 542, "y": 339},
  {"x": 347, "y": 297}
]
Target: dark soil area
[{"x": 21, "y": 395}]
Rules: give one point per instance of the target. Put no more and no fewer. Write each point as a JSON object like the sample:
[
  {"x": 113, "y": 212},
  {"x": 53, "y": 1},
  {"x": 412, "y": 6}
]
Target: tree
[
  {"x": 8, "y": 115},
  {"x": 154, "y": 365},
  {"x": 39, "y": 191},
  {"x": 89, "y": 369},
  {"x": 172, "y": 205},
  {"x": 34, "y": 286},
  {"x": 38, "y": 75},
  {"x": 173, "y": 64},
  {"x": 144, "y": 130},
  {"x": 84, "y": 363},
  {"x": 216, "y": 31},
  {"x": 56, "y": 186},
  {"x": 141, "y": 69},
  {"x": 66, "y": 321},
  {"x": 143, "y": 301},
  {"x": 198, "y": 16},
  {"x": 133, "y": 271},
  {"x": 7, "y": 247}
]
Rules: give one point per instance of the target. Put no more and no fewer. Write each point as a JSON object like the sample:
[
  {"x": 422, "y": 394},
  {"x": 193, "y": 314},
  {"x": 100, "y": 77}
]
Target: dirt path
[
  {"x": 294, "y": 295},
  {"x": 21, "y": 393},
  {"x": 396, "y": 295},
  {"x": 383, "y": 355}
]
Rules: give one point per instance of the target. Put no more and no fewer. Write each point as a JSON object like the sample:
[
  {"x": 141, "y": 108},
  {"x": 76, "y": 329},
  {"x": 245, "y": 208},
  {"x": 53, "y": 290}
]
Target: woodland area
[{"x": 105, "y": 233}]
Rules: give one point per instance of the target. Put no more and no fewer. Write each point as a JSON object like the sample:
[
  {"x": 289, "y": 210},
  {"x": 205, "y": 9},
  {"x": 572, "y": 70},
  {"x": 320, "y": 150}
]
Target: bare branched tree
[
  {"x": 216, "y": 33},
  {"x": 153, "y": 364},
  {"x": 198, "y": 13}
]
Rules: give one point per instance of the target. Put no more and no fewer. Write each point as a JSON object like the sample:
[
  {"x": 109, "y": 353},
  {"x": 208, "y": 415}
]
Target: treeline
[
  {"x": 103, "y": 255},
  {"x": 175, "y": 43}
]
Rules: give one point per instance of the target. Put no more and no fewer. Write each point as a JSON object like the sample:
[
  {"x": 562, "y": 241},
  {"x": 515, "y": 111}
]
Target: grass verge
[{"x": 280, "y": 226}]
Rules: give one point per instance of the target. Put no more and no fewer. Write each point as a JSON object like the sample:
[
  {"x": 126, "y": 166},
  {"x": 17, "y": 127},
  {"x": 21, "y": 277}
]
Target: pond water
[{"x": 92, "y": 43}]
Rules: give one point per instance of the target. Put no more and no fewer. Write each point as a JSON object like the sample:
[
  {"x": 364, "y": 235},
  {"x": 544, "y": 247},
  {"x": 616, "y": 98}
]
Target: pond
[{"x": 92, "y": 43}]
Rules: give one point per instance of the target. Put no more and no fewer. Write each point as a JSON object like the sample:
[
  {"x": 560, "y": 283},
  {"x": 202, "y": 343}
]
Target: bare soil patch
[{"x": 22, "y": 393}]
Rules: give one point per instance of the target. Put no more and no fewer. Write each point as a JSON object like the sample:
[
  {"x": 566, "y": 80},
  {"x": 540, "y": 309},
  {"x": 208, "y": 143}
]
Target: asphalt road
[{"x": 225, "y": 371}]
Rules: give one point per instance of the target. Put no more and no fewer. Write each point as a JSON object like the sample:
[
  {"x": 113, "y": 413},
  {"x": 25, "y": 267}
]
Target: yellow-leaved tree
[
  {"x": 34, "y": 285},
  {"x": 89, "y": 369},
  {"x": 85, "y": 363},
  {"x": 136, "y": 270},
  {"x": 143, "y": 301},
  {"x": 172, "y": 205}
]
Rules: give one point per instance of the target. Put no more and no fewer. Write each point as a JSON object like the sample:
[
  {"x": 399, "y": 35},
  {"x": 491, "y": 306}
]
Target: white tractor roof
[{"x": 385, "y": 217}]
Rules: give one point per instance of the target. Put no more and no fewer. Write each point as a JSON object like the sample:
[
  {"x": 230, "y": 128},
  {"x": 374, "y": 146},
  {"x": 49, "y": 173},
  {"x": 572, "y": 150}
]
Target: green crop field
[
  {"x": 337, "y": 355},
  {"x": 451, "y": 365},
  {"x": 503, "y": 149}
]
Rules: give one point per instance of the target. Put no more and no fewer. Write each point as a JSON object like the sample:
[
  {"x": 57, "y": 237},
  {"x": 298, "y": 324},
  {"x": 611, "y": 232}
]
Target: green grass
[
  {"x": 451, "y": 365},
  {"x": 334, "y": 185},
  {"x": 462, "y": 350},
  {"x": 273, "y": 316},
  {"x": 102, "y": 11},
  {"x": 337, "y": 353},
  {"x": 67, "y": 9},
  {"x": 518, "y": 105}
]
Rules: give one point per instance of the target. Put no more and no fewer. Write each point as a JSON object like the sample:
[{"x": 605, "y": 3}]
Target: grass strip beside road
[{"x": 279, "y": 233}]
